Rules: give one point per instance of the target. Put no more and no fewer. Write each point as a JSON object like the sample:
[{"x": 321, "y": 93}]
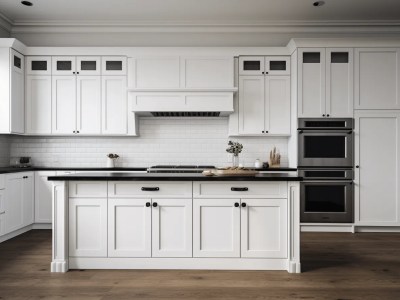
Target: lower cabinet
[
  {"x": 240, "y": 228},
  {"x": 19, "y": 201},
  {"x": 43, "y": 195},
  {"x": 2, "y": 211}
]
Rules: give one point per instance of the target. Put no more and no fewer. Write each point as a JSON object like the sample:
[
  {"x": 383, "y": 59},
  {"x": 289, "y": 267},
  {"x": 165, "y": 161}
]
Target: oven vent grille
[{"x": 185, "y": 113}]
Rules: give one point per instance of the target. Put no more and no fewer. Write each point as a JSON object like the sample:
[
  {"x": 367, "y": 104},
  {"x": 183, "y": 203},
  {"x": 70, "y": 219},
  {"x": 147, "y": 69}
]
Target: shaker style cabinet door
[
  {"x": 88, "y": 104},
  {"x": 17, "y": 97},
  {"x": 277, "y": 65},
  {"x": 63, "y": 65},
  {"x": 63, "y": 104},
  {"x": 377, "y": 78},
  {"x": 43, "y": 197},
  {"x": 377, "y": 157},
  {"x": 38, "y": 65},
  {"x": 113, "y": 65},
  {"x": 251, "y": 65},
  {"x": 28, "y": 189},
  {"x": 339, "y": 82},
  {"x": 264, "y": 228},
  {"x": 2, "y": 212},
  {"x": 88, "y": 227},
  {"x": 14, "y": 203},
  {"x": 129, "y": 227},
  {"x": 216, "y": 227},
  {"x": 172, "y": 228},
  {"x": 38, "y": 104},
  {"x": 88, "y": 65},
  {"x": 311, "y": 82},
  {"x": 114, "y": 105}
]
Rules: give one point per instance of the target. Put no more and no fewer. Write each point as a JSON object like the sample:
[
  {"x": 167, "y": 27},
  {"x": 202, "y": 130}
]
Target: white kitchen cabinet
[
  {"x": 38, "y": 65},
  {"x": 38, "y": 104},
  {"x": 264, "y": 65},
  {"x": 172, "y": 228},
  {"x": 216, "y": 227},
  {"x": 88, "y": 227},
  {"x": 377, "y": 160},
  {"x": 88, "y": 65},
  {"x": 88, "y": 104},
  {"x": 11, "y": 91},
  {"x": 264, "y": 228},
  {"x": 19, "y": 201},
  {"x": 63, "y": 104},
  {"x": 2, "y": 211},
  {"x": 129, "y": 227},
  {"x": 113, "y": 65},
  {"x": 63, "y": 65},
  {"x": 325, "y": 82},
  {"x": 43, "y": 196},
  {"x": 264, "y": 105},
  {"x": 114, "y": 105},
  {"x": 377, "y": 78}
]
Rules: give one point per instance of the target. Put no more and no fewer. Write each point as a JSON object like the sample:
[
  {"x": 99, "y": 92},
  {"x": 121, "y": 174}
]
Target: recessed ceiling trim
[{"x": 5, "y": 23}]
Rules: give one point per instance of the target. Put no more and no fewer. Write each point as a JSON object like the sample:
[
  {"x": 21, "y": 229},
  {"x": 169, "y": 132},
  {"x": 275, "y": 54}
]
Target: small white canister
[{"x": 258, "y": 164}]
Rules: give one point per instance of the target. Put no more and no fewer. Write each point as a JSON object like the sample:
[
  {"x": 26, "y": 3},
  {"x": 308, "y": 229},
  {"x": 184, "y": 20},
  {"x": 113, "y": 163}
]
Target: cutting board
[{"x": 229, "y": 171}]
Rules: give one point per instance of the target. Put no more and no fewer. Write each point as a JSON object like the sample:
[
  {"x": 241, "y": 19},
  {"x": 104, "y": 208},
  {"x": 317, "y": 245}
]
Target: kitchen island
[{"x": 176, "y": 221}]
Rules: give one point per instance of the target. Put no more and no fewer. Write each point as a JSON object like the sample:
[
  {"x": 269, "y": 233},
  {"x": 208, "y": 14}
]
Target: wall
[
  {"x": 4, "y": 150},
  {"x": 161, "y": 141},
  {"x": 4, "y": 33}
]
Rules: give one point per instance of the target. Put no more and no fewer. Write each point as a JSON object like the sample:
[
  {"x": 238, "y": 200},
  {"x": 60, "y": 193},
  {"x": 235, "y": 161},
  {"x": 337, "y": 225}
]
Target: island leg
[
  {"x": 294, "y": 227},
  {"x": 59, "y": 262}
]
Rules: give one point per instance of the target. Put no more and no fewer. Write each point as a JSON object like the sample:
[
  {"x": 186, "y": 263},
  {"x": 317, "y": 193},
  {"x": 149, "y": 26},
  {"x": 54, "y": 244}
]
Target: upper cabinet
[
  {"x": 12, "y": 68},
  {"x": 63, "y": 65},
  {"x": 325, "y": 82},
  {"x": 377, "y": 78},
  {"x": 38, "y": 65},
  {"x": 264, "y": 65},
  {"x": 113, "y": 65},
  {"x": 88, "y": 65},
  {"x": 180, "y": 73}
]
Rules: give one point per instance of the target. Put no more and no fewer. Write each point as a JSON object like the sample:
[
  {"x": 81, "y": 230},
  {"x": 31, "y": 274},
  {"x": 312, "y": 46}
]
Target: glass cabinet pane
[
  {"x": 114, "y": 65},
  {"x": 340, "y": 57},
  {"x": 277, "y": 65},
  {"x": 311, "y": 57},
  {"x": 251, "y": 65},
  {"x": 39, "y": 65},
  {"x": 88, "y": 65},
  {"x": 17, "y": 62},
  {"x": 64, "y": 65}
]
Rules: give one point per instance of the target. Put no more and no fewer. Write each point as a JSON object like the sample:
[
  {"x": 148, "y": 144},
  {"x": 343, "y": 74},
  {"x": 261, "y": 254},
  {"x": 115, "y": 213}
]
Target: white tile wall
[
  {"x": 4, "y": 150},
  {"x": 161, "y": 141}
]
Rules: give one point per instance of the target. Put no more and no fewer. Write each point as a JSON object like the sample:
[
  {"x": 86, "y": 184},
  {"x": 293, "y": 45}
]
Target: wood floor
[{"x": 335, "y": 266}]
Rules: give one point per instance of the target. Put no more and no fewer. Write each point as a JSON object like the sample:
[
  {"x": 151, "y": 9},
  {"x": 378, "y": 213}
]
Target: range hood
[{"x": 182, "y": 103}]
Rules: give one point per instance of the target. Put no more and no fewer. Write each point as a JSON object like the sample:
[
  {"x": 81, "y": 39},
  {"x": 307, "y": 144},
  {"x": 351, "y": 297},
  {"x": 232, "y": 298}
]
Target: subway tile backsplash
[{"x": 161, "y": 141}]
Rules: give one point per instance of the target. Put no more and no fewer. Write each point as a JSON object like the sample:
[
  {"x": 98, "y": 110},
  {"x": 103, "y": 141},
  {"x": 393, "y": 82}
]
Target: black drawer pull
[
  {"x": 239, "y": 189},
  {"x": 150, "y": 189}
]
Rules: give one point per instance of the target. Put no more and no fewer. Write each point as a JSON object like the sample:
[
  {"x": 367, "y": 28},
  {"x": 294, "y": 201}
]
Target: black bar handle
[
  {"x": 239, "y": 189},
  {"x": 150, "y": 189}
]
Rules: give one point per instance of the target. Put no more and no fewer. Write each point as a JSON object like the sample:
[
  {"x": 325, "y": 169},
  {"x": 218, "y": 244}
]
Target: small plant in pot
[
  {"x": 111, "y": 159},
  {"x": 235, "y": 148}
]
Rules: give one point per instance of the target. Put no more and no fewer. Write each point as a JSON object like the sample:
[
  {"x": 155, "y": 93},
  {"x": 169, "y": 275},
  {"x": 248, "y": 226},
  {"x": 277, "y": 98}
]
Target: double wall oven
[{"x": 325, "y": 159}]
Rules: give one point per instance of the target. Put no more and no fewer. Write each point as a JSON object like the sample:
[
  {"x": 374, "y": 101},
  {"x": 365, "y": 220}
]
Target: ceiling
[{"x": 199, "y": 11}]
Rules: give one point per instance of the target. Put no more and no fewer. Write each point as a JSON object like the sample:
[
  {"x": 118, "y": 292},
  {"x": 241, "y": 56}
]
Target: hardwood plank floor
[{"x": 335, "y": 266}]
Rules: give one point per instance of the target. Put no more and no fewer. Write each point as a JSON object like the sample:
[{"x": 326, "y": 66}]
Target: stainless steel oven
[
  {"x": 325, "y": 142},
  {"x": 326, "y": 195}
]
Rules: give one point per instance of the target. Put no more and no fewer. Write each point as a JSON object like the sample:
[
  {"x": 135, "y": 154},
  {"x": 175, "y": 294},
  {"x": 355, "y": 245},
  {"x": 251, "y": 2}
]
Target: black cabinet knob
[
  {"x": 266, "y": 131},
  {"x": 244, "y": 204},
  {"x": 266, "y": 72},
  {"x": 327, "y": 115},
  {"x": 357, "y": 166},
  {"x": 73, "y": 131},
  {"x": 73, "y": 72},
  {"x": 77, "y": 72},
  {"x": 236, "y": 204},
  {"x": 147, "y": 204},
  {"x": 323, "y": 115},
  {"x": 263, "y": 131},
  {"x": 77, "y": 131},
  {"x": 155, "y": 204}
]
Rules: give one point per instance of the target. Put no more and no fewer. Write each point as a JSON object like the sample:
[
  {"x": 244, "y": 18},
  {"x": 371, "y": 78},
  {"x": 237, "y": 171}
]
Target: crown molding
[
  {"x": 363, "y": 26},
  {"x": 5, "y": 23}
]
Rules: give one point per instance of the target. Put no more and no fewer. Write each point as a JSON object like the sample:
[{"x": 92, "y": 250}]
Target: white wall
[
  {"x": 4, "y": 150},
  {"x": 4, "y": 33},
  {"x": 161, "y": 141}
]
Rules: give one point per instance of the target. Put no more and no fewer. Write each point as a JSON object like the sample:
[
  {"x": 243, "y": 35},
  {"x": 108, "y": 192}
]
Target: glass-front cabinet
[
  {"x": 264, "y": 65},
  {"x": 88, "y": 65},
  {"x": 38, "y": 65}
]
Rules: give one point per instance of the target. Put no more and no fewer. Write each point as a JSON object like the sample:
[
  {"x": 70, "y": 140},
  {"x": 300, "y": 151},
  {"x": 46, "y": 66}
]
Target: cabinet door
[
  {"x": 114, "y": 105},
  {"x": 38, "y": 104},
  {"x": 277, "y": 105},
  {"x": 129, "y": 227},
  {"x": 113, "y": 65},
  {"x": 172, "y": 227},
  {"x": 277, "y": 65},
  {"x": 14, "y": 204},
  {"x": 311, "y": 82},
  {"x": 2, "y": 212},
  {"x": 216, "y": 228},
  {"x": 88, "y": 65},
  {"x": 88, "y": 104},
  {"x": 43, "y": 196},
  {"x": 264, "y": 228},
  {"x": 377, "y": 194},
  {"x": 17, "y": 99},
  {"x": 377, "y": 78},
  {"x": 88, "y": 227},
  {"x": 38, "y": 65},
  {"x": 63, "y": 104},
  {"x": 339, "y": 82},
  {"x": 251, "y": 65},
  {"x": 28, "y": 198},
  {"x": 63, "y": 65},
  {"x": 251, "y": 104}
]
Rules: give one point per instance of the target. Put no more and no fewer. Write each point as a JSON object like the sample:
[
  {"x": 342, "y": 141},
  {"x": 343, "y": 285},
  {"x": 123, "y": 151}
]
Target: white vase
[{"x": 110, "y": 162}]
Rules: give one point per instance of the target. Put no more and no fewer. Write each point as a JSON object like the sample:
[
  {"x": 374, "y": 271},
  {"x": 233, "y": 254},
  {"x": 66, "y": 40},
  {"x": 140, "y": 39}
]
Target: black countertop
[{"x": 173, "y": 177}]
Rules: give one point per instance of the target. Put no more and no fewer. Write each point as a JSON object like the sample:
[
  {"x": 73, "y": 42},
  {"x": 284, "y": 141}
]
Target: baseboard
[
  {"x": 23, "y": 230},
  {"x": 377, "y": 229},
  {"x": 320, "y": 227},
  {"x": 42, "y": 226}
]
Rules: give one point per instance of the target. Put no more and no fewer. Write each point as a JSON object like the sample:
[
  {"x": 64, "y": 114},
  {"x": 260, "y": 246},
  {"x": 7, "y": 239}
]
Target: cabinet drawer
[
  {"x": 240, "y": 189},
  {"x": 88, "y": 189},
  {"x": 151, "y": 189},
  {"x": 2, "y": 182}
]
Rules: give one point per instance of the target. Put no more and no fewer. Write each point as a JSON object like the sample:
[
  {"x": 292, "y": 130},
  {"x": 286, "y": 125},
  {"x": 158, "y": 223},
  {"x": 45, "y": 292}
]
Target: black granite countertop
[{"x": 173, "y": 177}]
